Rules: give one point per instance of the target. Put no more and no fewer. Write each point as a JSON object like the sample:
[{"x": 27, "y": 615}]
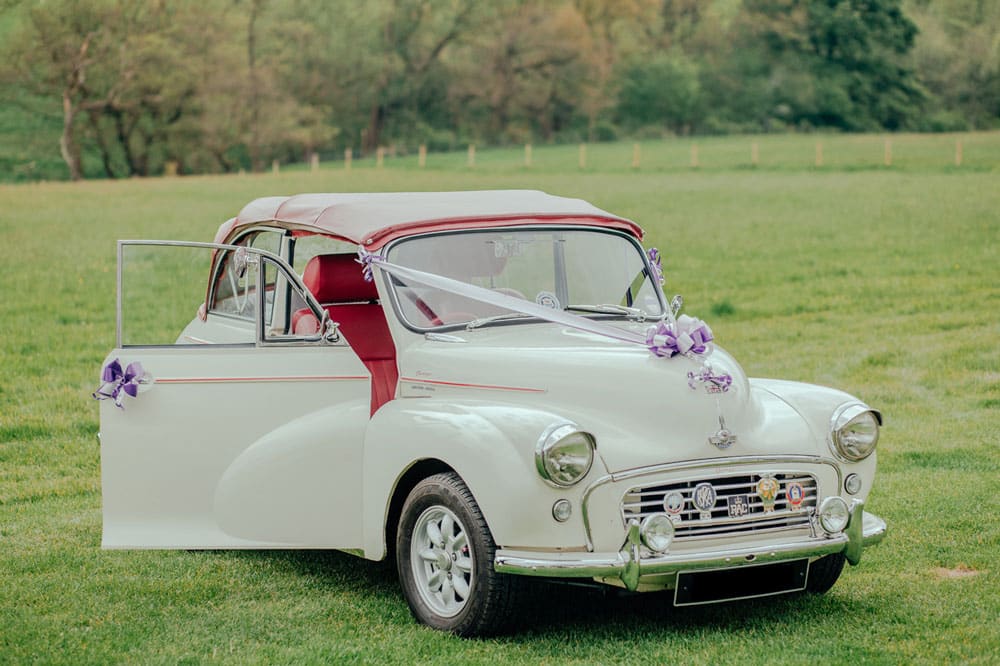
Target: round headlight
[
  {"x": 564, "y": 454},
  {"x": 834, "y": 515},
  {"x": 854, "y": 432},
  {"x": 657, "y": 532}
]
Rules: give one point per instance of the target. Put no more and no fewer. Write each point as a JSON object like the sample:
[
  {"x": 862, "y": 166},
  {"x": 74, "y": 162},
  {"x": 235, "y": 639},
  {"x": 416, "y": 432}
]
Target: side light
[
  {"x": 564, "y": 454},
  {"x": 562, "y": 510},
  {"x": 852, "y": 484}
]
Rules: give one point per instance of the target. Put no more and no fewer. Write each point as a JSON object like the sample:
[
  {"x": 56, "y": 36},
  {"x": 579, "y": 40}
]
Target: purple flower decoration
[
  {"x": 689, "y": 336},
  {"x": 118, "y": 383},
  {"x": 365, "y": 258},
  {"x": 713, "y": 383},
  {"x": 657, "y": 264}
]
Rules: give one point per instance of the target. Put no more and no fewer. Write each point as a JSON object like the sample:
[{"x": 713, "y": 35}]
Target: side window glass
[
  {"x": 160, "y": 290},
  {"x": 307, "y": 247}
]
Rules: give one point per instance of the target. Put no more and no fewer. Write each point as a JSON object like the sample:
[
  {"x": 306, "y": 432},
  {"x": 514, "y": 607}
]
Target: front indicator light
[
  {"x": 657, "y": 532},
  {"x": 562, "y": 510},
  {"x": 834, "y": 515},
  {"x": 852, "y": 484}
]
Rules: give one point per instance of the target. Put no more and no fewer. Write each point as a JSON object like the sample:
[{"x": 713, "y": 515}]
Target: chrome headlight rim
[
  {"x": 549, "y": 440},
  {"x": 844, "y": 416}
]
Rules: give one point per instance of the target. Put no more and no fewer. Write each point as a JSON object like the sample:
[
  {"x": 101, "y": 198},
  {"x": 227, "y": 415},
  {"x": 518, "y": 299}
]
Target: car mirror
[{"x": 330, "y": 328}]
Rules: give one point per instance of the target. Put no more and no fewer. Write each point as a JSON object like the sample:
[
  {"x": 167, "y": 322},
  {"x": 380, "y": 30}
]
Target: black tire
[
  {"x": 489, "y": 605},
  {"x": 824, "y": 572}
]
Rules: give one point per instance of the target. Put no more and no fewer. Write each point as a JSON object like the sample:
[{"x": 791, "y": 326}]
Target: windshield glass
[{"x": 588, "y": 272}]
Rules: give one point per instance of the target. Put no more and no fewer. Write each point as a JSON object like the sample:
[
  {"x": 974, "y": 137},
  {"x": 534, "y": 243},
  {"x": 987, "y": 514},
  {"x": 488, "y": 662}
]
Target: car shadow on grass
[{"x": 556, "y": 609}]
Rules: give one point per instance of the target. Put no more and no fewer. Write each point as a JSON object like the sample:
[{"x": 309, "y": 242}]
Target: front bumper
[{"x": 863, "y": 530}]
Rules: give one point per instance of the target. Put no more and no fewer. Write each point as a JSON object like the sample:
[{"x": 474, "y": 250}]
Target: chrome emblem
[
  {"x": 795, "y": 494},
  {"x": 723, "y": 439},
  {"x": 767, "y": 490},
  {"x": 704, "y": 499},
  {"x": 673, "y": 503}
]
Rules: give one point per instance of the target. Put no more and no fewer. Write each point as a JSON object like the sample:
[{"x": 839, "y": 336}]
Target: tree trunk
[
  {"x": 376, "y": 122},
  {"x": 102, "y": 143},
  {"x": 67, "y": 142}
]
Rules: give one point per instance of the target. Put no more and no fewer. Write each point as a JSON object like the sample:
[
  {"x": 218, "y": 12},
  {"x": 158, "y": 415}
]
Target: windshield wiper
[
  {"x": 476, "y": 323},
  {"x": 611, "y": 308}
]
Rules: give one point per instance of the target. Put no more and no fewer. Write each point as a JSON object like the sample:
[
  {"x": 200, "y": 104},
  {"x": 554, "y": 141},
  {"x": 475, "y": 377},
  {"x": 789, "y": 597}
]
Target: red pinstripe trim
[
  {"x": 478, "y": 386},
  {"x": 223, "y": 380}
]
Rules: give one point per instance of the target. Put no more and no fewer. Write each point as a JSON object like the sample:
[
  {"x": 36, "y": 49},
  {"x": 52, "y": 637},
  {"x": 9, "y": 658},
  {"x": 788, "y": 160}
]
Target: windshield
[{"x": 589, "y": 272}]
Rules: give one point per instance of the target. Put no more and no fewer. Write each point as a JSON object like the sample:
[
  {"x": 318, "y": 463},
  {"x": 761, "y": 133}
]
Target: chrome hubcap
[{"x": 441, "y": 561}]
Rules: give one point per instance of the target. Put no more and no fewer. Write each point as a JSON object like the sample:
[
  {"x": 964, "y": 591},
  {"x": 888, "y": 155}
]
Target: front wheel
[{"x": 444, "y": 555}]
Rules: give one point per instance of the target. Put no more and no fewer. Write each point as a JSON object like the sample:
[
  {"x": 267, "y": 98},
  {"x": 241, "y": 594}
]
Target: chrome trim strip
[{"x": 690, "y": 465}]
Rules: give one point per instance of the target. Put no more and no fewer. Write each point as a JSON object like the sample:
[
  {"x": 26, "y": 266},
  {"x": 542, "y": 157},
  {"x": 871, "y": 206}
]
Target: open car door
[{"x": 228, "y": 430}]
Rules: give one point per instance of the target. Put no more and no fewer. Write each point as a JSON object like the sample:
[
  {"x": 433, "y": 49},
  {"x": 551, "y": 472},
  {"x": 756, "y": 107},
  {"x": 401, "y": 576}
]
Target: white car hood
[{"x": 641, "y": 408}]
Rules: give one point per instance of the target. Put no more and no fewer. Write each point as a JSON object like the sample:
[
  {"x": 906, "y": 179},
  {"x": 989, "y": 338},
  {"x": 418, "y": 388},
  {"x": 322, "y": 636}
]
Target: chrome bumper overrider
[{"x": 864, "y": 529}]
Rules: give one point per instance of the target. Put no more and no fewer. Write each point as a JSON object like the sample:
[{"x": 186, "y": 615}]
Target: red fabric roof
[{"x": 376, "y": 218}]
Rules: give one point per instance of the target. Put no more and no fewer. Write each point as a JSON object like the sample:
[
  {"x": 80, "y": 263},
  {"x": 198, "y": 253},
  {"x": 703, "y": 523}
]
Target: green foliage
[
  {"x": 117, "y": 88},
  {"x": 880, "y": 282}
]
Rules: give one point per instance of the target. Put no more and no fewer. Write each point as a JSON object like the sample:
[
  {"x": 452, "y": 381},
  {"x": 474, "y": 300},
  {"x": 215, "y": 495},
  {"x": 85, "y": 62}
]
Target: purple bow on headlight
[
  {"x": 118, "y": 383},
  {"x": 689, "y": 336}
]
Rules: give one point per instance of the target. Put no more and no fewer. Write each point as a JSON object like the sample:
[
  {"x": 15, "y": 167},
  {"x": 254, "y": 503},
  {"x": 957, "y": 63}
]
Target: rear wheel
[
  {"x": 824, "y": 572},
  {"x": 444, "y": 555}
]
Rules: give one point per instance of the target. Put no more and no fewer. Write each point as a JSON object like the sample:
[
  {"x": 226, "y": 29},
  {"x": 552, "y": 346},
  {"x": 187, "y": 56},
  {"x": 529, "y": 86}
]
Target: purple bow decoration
[
  {"x": 365, "y": 258},
  {"x": 656, "y": 263},
  {"x": 689, "y": 336},
  {"x": 118, "y": 383},
  {"x": 713, "y": 383}
]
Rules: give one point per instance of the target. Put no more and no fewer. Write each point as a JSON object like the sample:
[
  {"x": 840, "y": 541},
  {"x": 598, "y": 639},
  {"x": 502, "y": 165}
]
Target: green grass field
[{"x": 883, "y": 282}]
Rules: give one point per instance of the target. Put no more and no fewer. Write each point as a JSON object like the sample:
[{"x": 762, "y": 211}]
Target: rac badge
[
  {"x": 738, "y": 505},
  {"x": 767, "y": 490},
  {"x": 704, "y": 500}
]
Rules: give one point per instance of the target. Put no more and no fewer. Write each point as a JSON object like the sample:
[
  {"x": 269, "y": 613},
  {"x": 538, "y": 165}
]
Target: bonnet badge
[
  {"x": 723, "y": 439},
  {"x": 767, "y": 490}
]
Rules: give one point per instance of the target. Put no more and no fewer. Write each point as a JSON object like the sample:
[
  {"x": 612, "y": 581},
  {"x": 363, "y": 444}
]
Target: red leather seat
[{"x": 337, "y": 283}]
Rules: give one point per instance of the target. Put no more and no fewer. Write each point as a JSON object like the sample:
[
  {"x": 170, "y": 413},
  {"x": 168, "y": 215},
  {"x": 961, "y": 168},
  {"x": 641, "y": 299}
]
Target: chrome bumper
[{"x": 864, "y": 529}]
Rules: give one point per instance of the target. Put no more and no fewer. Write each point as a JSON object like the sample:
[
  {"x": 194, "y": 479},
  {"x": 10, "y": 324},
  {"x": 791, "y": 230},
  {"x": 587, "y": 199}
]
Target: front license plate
[
  {"x": 747, "y": 582},
  {"x": 739, "y": 505}
]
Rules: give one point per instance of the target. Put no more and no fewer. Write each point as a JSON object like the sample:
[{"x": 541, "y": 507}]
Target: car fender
[{"x": 491, "y": 446}]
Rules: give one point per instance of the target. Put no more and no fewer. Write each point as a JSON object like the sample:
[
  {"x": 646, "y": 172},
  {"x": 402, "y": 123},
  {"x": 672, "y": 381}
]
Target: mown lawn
[{"x": 883, "y": 282}]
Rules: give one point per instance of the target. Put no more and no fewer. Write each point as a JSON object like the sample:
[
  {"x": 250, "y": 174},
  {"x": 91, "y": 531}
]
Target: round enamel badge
[
  {"x": 704, "y": 497},
  {"x": 673, "y": 503}
]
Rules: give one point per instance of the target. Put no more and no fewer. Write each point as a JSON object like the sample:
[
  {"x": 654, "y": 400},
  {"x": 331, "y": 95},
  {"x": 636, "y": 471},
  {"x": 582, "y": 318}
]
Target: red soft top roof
[{"x": 373, "y": 219}]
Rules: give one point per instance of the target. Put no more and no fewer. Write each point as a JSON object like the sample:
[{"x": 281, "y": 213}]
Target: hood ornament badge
[{"x": 723, "y": 439}]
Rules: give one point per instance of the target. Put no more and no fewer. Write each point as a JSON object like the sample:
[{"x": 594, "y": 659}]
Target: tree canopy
[{"x": 220, "y": 85}]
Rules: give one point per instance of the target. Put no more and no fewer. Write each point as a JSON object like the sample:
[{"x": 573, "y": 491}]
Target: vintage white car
[{"x": 485, "y": 386}]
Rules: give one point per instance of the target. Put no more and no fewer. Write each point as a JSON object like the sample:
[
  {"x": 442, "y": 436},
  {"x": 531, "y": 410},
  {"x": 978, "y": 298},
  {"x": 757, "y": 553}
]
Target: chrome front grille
[{"x": 691, "y": 523}]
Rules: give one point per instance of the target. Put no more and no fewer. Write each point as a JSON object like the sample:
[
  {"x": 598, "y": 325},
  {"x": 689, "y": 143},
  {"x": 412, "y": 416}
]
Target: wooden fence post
[
  {"x": 958, "y": 152},
  {"x": 694, "y": 156},
  {"x": 582, "y": 156},
  {"x": 379, "y": 157},
  {"x": 527, "y": 154},
  {"x": 819, "y": 153},
  {"x": 348, "y": 156},
  {"x": 471, "y": 162},
  {"x": 636, "y": 155},
  {"x": 422, "y": 156},
  {"x": 754, "y": 154},
  {"x": 275, "y": 167},
  {"x": 314, "y": 162},
  {"x": 887, "y": 153}
]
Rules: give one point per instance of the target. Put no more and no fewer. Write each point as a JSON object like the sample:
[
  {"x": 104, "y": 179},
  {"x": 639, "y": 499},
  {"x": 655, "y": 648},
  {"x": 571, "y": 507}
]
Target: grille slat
[{"x": 688, "y": 524}]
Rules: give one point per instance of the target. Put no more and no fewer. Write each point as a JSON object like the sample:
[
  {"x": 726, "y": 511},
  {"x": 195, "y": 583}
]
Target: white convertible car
[{"x": 485, "y": 386}]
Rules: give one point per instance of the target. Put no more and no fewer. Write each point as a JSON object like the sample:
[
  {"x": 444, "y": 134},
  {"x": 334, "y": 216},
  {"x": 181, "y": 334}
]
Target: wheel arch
[{"x": 414, "y": 474}]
